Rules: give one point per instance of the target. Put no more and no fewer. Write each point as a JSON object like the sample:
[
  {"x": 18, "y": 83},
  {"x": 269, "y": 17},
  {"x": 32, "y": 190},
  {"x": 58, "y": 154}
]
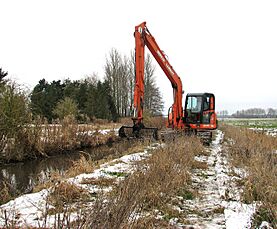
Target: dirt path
[{"x": 218, "y": 204}]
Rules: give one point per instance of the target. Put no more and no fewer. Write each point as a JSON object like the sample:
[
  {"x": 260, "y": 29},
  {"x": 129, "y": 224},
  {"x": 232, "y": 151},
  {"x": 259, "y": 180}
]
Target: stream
[{"x": 22, "y": 177}]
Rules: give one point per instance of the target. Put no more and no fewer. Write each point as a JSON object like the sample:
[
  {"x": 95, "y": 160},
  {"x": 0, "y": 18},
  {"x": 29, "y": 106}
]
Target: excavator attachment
[{"x": 139, "y": 132}]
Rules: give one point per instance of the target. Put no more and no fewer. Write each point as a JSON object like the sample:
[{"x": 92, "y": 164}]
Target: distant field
[{"x": 266, "y": 125}]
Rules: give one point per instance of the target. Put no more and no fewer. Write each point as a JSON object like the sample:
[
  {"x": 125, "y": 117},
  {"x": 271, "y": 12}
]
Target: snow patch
[
  {"x": 29, "y": 210},
  {"x": 238, "y": 215},
  {"x": 219, "y": 202},
  {"x": 29, "y": 207}
]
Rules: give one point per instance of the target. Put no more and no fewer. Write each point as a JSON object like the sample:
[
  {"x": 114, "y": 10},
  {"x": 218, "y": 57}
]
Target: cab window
[
  {"x": 206, "y": 103},
  {"x": 194, "y": 104}
]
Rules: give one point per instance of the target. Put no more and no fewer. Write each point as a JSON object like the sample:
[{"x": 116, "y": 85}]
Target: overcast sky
[{"x": 228, "y": 48}]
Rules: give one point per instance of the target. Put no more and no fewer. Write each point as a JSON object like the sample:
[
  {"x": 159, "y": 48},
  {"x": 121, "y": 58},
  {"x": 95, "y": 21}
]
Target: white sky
[{"x": 225, "y": 47}]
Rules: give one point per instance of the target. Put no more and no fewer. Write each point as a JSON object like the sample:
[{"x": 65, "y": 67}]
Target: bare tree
[
  {"x": 131, "y": 81},
  {"x": 125, "y": 86},
  {"x": 91, "y": 79},
  {"x": 271, "y": 112},
  {"x": 120, "y": 73},
  {"x": 223, "y": 113},
  {"x": 112, "y": 75},
  {"x": 153, "y": 98},
  {"x": 250, "y": 113}
]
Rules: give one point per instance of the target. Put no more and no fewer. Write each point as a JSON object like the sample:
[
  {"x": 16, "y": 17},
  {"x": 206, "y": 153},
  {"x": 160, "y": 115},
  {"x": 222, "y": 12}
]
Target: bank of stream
[{"x": 22, "y": 177}]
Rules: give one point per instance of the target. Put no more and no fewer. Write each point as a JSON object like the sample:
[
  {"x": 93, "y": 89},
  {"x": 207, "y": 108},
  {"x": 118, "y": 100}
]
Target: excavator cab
[{"x": 200, "y": 111}]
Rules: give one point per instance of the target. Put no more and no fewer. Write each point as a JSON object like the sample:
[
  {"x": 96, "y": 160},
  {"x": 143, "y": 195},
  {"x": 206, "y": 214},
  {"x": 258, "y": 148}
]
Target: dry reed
[
  {"x": 256, "y": 152},
  {"x": 150, "y": 187},
  {"x": 42, "y": 139}
]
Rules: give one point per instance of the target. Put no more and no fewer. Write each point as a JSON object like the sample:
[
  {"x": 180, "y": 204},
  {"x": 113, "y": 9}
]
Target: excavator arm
[
  {"x": 199, "y": 114},
  {"x": 144, "y": 38}
]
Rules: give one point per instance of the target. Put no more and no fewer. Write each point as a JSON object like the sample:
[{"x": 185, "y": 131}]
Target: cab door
[
  {"x": 193, "y": 109},
  {"x": 208, "y": 115}
]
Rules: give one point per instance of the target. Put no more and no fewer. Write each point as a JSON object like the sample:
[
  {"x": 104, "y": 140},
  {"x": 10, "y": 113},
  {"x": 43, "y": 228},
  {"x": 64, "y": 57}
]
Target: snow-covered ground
[
  {"x": 269, "y": 131},
  {"x": 102, "y": 131},
  {"x": 30, "y": 209},
  {"x": 218, "y": 204},
  {"x": 264, "y": 125}
]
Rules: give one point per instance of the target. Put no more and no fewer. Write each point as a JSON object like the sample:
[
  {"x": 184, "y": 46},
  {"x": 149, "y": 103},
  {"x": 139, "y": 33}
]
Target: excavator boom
[
  {"x": 199, "y": 113},
  {"x": 143, "y": 38}
]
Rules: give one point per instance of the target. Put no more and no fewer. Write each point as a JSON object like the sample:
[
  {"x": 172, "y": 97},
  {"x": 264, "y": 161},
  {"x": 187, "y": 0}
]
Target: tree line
[
  {"x": 84, "y": 99},
  {"x": 89, "y": 98},
  {"x": 250, "y": 113},
  {"x": 256, "y": 113}
]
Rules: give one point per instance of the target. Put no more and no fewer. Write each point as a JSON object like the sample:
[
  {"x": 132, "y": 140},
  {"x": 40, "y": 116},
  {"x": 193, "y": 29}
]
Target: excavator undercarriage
[{"x": 153, "y": 134}]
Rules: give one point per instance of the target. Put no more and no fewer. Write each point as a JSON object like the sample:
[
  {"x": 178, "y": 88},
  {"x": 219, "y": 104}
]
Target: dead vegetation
[
  {"x": 142, "y": 199},
  {"x": 157, "y": 121},
  {"x": 83, "y": 165},
  {"x": 66, "y": 193},
  {"x": 101, "y": 182},
  {"x": 137, "y": 199},
  {"x": 148, "y": 120},
  {"x": 5, "y": 192},
  {"x": 44, "y": 139},
  {"x": 256, "y": 153},
  {"x": 86, "y": 165}
]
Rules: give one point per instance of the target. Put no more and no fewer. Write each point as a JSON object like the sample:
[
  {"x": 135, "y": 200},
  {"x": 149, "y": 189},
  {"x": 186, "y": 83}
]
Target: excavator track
[
  {"x": 169, "y": 135},
  {"x": 165, "y": 135}
]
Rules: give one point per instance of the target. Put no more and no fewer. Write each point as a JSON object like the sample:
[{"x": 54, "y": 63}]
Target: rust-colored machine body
[{"x": 199, "y": 112}]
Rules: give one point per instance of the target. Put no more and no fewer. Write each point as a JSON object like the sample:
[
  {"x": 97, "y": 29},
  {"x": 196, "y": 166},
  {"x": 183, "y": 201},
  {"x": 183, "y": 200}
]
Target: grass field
[{"x": 264, "y": 123}]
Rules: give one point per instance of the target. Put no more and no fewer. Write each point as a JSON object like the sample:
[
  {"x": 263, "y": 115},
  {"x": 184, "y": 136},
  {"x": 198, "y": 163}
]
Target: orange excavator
[{"x": 198, "y": 115}]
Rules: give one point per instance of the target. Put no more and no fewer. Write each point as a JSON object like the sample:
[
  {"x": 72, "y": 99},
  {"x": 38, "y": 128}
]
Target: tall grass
[
  {"x": 43, "y": 139},
  {"x": 257, "y": 153},
  {"x": 133, "y": 202},
  {"x": 154, "y": 181}
]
